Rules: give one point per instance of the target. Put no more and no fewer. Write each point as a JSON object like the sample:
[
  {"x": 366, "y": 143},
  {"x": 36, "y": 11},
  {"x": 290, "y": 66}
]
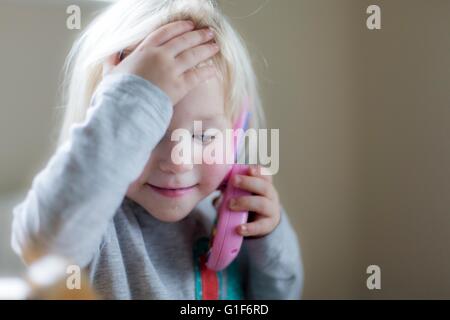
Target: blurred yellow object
[{"x": 49, "y": 278}]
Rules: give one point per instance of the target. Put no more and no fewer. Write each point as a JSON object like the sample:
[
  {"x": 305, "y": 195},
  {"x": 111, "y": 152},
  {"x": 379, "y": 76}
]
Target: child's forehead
[{"x": 206, "y": 101}]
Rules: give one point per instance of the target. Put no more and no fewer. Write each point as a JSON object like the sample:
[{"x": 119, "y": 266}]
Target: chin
[
  {"x": 170, "y": 213},
  {"x": 170, "y": 216}
]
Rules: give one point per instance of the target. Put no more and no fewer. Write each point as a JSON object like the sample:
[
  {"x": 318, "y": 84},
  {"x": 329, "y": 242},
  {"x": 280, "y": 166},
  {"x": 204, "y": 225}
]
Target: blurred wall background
[{"x": 363, "y": 118}]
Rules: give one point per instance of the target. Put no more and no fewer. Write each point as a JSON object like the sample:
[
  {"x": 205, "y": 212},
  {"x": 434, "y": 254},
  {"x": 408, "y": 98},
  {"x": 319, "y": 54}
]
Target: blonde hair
[{"x": 125, "y": 24}]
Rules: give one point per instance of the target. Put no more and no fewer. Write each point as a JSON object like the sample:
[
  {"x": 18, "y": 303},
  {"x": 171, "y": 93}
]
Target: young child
[{"x": 112, "y": 200}]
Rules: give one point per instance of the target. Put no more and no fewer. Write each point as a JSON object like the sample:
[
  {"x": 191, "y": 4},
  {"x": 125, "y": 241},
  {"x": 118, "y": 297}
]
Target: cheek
[
  {"x": 212, "y": 175},
  {"x": 149, "y": 167}
]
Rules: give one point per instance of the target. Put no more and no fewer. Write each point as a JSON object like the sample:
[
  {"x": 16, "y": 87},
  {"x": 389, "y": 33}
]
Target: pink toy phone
[{"x": 225, "y": 241}]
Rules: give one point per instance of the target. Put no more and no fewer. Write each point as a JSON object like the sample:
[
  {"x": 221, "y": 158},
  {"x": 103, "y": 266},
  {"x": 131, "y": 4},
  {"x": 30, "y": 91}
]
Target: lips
[{"x": 172, "y": 192}]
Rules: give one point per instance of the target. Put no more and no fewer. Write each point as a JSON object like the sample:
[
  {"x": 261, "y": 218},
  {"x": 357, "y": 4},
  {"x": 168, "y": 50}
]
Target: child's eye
[{"x": 204, "y": 138}]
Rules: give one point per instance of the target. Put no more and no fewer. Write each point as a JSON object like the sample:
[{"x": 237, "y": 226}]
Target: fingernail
[
  {"x": 244, "y": 229},
  {"x": 265, "y": 171},
  {"x": 210, "y": 33}
]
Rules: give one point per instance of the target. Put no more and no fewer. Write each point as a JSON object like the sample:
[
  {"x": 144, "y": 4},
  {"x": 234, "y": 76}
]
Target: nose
[
  {"x": 163, "y": 153},
  {"x": 168, "y": 166}
]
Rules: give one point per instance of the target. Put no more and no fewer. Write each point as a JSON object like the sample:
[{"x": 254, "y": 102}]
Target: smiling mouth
[{"x": 172, "y": 192}]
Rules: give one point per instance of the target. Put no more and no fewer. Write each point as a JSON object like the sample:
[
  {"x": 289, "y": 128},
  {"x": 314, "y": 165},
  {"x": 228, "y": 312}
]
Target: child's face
[{"x": 170, "y": 191}]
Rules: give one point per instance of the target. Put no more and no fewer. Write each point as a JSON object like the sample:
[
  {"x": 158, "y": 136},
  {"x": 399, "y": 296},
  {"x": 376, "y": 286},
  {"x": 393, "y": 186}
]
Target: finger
[
  {"x": 110, "y": 63},
  {"x": 256, "y": 185},
  {"x": 216, "y": 201},
  {"x": 258, "y": 227},
  {"x": 261, "y": 205},
  {"x": 197, "y": 75},
  {"x": 260, "y": 171},
  {"x": 188, "y": 40},
  {"x": 192, "y": 57},
  {"x": 167, "y": 32}
]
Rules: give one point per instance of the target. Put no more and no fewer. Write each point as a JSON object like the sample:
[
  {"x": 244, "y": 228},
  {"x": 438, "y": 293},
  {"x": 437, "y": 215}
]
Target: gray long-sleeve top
[{"x": 77, "y": 208}]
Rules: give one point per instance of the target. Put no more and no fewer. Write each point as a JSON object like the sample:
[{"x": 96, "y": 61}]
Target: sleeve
[
  {"x": 72, "y": 200},
  {"x": 274, "y": 264}
]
